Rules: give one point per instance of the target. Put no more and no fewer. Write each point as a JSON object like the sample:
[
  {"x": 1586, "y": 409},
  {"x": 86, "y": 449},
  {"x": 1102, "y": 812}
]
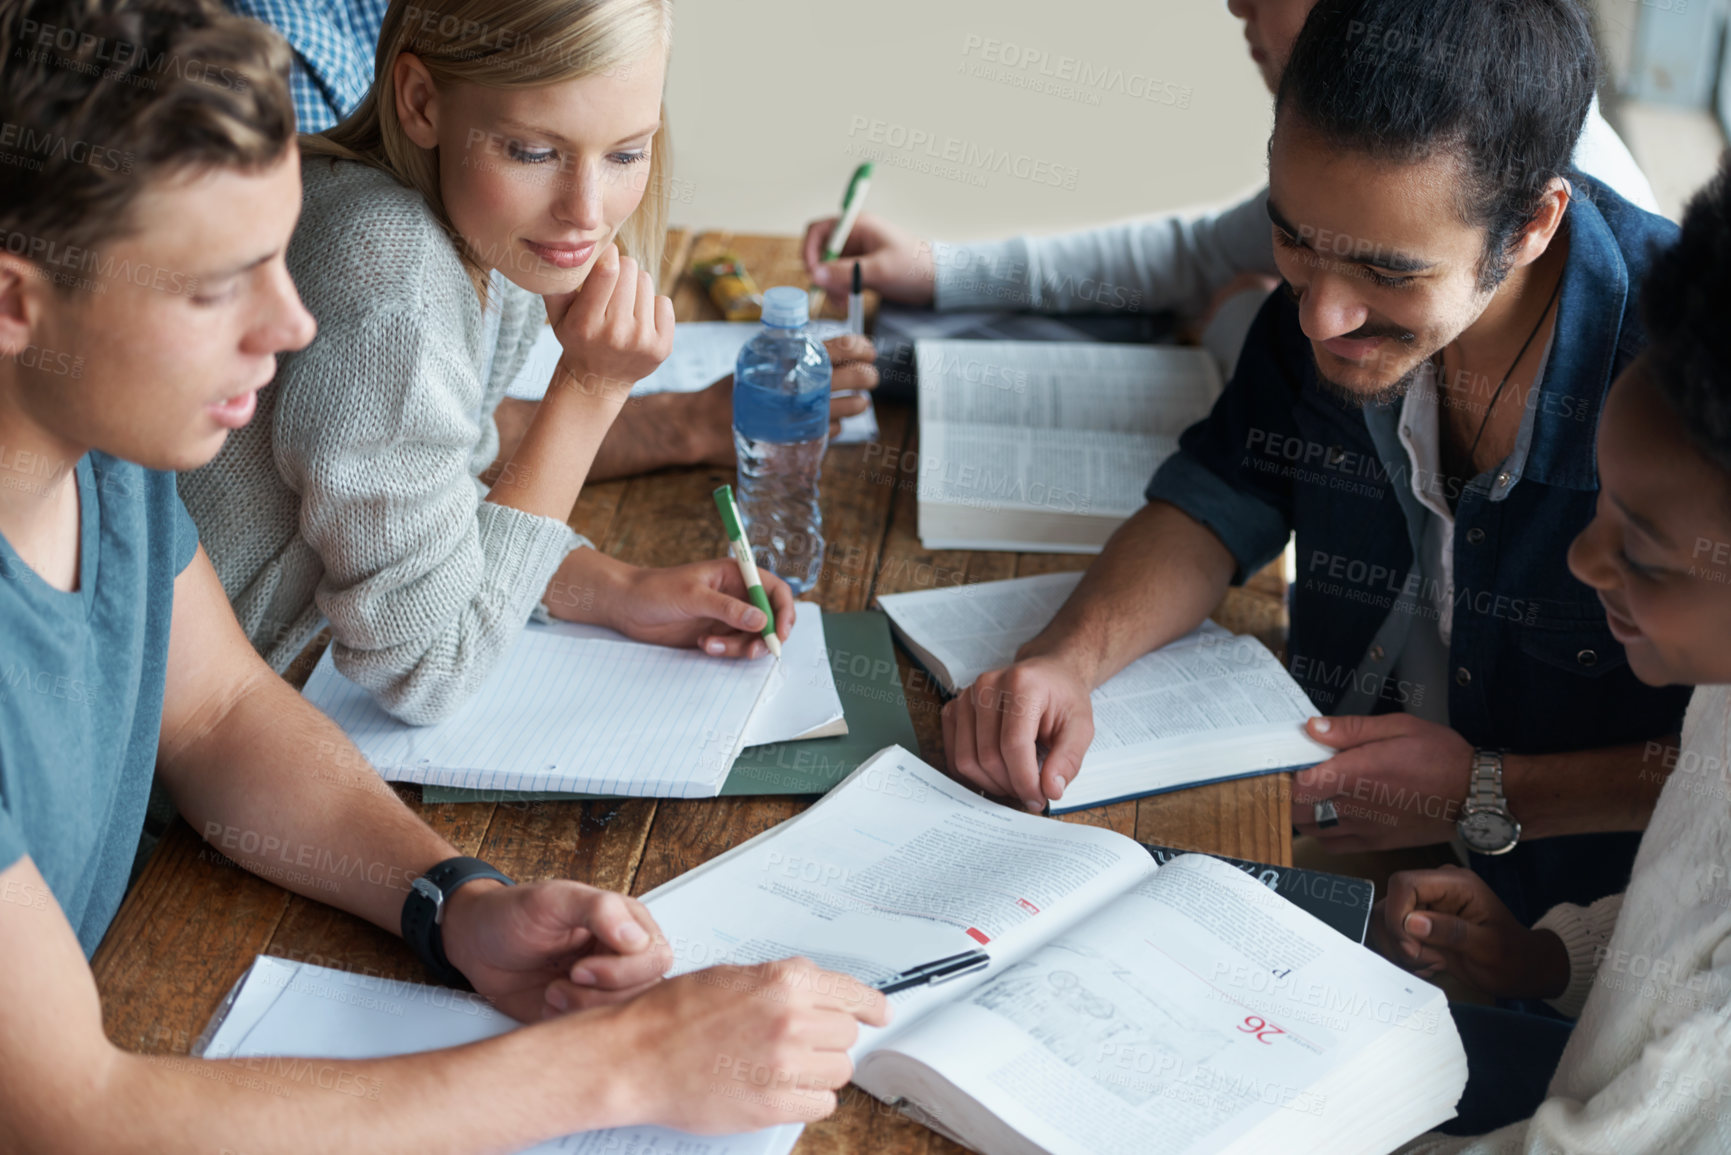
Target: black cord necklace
[{"x": 1525, "y": 345}]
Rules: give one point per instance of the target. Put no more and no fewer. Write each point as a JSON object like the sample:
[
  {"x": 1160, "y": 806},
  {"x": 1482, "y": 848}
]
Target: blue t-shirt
[{"x": 81, "y": 677}]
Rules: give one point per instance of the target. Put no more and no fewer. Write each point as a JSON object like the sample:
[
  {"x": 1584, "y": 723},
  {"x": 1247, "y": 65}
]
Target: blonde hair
[{"x": 507, "y": 44}]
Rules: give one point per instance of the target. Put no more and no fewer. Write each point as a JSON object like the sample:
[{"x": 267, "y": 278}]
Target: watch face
[{"x": 1489, "y": 831}]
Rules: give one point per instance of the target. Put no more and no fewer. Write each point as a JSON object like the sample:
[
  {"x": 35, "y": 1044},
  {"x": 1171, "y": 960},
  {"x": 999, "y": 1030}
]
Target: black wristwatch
[{"x": 424, "y": 914}]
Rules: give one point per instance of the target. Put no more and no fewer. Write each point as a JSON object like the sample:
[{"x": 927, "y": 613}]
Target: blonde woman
[{"x": 509, "y": 166}]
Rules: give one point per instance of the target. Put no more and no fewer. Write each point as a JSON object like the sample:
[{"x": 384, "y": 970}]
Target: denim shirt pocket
[{"x": 1571, "y": 636}]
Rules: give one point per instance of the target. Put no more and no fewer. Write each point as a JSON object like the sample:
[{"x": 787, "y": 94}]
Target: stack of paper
[
  {"x": 297, "y": 1010},
  {"x": 580, "y": 709}
]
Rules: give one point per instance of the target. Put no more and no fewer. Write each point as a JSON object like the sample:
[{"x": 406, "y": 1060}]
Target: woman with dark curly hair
[{"x": 1646, "y": 1068}]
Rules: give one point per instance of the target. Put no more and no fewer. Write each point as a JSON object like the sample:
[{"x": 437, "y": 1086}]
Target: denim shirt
[{"x": 1533, "y": 667}]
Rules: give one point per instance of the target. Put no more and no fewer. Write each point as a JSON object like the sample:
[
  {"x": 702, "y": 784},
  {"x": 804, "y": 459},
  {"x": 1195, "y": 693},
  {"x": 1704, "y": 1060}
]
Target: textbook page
[
  {"x": 286, "y": 1013},
  {"x": 972, "y": 628},
  {"x": 577, "y": 714},
  {"x": 969, "y": 629},
  {"x": 1210, "y": 705},
  {"x": 703, "y": 353},
  {"x": 1203, "y": 684},
  {"x": 895, "y": 867},
  {"x": 1197, "y": 1010},
  {"x": 1059, "y": 428}
]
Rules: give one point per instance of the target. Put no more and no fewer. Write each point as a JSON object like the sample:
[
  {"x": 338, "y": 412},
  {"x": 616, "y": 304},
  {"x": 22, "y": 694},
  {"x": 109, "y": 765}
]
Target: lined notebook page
[
  {"x": 298, "y": 1010},
  {"x": 563, "y": 713}
]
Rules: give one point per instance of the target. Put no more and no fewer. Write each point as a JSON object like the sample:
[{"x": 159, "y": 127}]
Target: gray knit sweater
[{"x": 352, "y": 496}]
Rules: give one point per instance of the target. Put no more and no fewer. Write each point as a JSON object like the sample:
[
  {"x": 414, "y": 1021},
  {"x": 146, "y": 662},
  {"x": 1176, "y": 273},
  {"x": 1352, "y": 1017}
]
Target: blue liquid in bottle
[{"x": 780, "y": 430}]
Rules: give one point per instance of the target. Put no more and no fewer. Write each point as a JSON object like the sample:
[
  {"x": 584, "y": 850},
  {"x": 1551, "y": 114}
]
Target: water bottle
[{"x": 780, "y": 430}]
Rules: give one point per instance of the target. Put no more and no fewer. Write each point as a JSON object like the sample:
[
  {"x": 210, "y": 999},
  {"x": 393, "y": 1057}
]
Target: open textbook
[
  {"x": 580, "y": 709},
  {"x": 1029, "y": 445},
  {"x": 703, "y": 353},
  {"x": 282, "y": 1013},
  {"x": 1128, "y": 1006},
  {"x": 1205, "y": 708}
]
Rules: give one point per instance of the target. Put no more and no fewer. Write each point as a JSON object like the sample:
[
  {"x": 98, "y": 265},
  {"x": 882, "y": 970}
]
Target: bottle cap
[{"x": 785, "y": 307}]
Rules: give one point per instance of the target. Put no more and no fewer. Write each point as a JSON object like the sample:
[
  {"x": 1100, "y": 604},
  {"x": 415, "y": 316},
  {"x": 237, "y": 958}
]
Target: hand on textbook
[
  {"x": 739, "y": 1048},
  {"x": 1450, "y": 920},
  {"x": 526, "y": 946},
  {"x": 701, "y": 604},
  {"x": 1396, "y": 781},
  {"x": 893, "y": 261},
  {"x": 614, "y": 330},
  {"x": 995, "y": 730}
]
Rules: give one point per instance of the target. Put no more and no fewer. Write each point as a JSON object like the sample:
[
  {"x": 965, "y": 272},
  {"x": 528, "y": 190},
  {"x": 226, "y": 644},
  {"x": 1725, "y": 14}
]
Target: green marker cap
[
  {"x": 863, "y": 172},
  {"x": 729, "y": 513}
]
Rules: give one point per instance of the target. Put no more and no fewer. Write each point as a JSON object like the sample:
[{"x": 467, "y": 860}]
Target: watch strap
[
  {"x": 424, "y": 913},
  {"x": 1485, "y": 787}
]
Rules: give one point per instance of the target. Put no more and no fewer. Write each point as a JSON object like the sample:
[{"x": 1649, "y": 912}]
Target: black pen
[
  {"x": 856, "y": 303},
  {"x": 937, "y": 971}
]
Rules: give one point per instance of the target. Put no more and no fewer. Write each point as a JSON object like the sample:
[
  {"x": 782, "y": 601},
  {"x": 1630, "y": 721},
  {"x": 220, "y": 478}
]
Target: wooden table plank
[{"x": 188, "y": 929}]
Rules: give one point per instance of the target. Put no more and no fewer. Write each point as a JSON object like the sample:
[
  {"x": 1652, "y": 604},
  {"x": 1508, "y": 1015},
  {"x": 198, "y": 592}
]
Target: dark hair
[
  {"x": 1685, "y": 302},
  {"x": 1503, "y": 85},
  {"x": 100, "y": 98}
]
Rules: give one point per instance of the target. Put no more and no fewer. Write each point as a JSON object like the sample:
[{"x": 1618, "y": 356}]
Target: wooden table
[{"x": 194, "y": 921}]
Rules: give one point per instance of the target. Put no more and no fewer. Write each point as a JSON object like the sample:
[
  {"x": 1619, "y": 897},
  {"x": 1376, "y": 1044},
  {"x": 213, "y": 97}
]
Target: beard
[{"x": 1382, "y": 395}]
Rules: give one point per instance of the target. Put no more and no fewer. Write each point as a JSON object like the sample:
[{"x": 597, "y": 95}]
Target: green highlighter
[{"x": 731, "y": 521}]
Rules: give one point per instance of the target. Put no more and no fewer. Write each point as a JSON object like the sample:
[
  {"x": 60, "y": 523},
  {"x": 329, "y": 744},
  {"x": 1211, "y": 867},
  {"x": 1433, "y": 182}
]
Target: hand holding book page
[
  {"x": 1128, "y": 1007},
  {"x": 1205, "y": 708}
]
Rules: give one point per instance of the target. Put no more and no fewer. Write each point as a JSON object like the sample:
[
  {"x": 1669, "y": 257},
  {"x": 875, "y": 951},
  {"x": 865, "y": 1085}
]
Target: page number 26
[{"x": 1261, "y": 1028}]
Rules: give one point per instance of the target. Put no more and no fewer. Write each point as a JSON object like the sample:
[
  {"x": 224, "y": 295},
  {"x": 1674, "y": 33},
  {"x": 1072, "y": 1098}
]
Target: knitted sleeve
[
  {"x": 1672, "y": 1097},
  {"x": 1165, "y": 262},
  {"x": 425, "y": 585},
  {"x": 1585, "y": 931}
]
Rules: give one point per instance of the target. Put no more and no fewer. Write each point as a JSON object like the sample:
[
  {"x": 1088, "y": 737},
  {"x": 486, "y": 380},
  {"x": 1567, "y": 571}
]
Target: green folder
[{"x": 864, "y": 661}]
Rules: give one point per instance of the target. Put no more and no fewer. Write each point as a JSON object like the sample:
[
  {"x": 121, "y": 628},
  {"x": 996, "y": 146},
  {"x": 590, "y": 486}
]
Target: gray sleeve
[
  {"x": 1167, "y": 262},
  {"x": 425, "y": 585}
]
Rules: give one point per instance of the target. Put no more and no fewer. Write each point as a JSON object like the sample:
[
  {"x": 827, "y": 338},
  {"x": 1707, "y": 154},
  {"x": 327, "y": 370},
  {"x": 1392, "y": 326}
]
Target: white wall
[{"x": 773, "y": 102}]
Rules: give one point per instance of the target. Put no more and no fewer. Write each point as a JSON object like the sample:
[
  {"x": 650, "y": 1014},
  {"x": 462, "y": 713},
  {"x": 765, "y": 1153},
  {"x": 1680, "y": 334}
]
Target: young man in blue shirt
[
  {"x": 143, "y": 299},
  {"x": 1419, "y": 406}
]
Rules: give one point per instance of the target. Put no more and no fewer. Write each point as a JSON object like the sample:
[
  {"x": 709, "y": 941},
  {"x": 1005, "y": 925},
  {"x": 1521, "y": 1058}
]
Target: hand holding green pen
[
  {"x": 852, "y": 202},
  {"x": 741, "y": 549}
]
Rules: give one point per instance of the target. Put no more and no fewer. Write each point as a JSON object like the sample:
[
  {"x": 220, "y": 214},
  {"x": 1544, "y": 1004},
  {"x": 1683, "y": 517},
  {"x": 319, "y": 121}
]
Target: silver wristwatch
[{"x": 1486, "y": 825}]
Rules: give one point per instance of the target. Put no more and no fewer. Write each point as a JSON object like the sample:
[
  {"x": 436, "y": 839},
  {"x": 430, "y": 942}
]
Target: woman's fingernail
[
  {"x": 820, "y": 276},
  {"x": 632, "y": 935},
  {"x": 1320, "y": 725},
  {"x": 716, "y": 646},
  {"x": 1033, "y": 806},
  {"x": 1418, "y": 924},
  {"x": 582, "y": 976},
  {"x": 558, "y": 999},
  {"x": 754, "y": 620}
]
